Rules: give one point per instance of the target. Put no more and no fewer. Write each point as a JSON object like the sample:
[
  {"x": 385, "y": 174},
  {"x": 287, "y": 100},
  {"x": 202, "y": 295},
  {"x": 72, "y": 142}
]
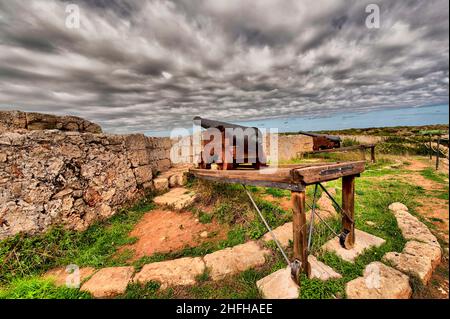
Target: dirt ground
[
  {"x": 436, "y": 211},
  {"x": 162, "y": 231}
]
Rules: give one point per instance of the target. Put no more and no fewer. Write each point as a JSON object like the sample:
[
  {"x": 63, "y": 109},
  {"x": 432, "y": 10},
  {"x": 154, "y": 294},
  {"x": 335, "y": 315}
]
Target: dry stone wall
[{"x": 71, "y": 178}]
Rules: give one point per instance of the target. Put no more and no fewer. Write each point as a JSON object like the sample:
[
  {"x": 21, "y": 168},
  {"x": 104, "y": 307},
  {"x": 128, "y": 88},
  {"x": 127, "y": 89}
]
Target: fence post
[
  {"x": 430, "y": 151},
  {"x": 437, "y": 152}
]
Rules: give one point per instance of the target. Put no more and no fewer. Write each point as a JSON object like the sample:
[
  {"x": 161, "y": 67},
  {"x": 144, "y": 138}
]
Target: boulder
[
  {"x": 109, "y": 282},
  {"x": 234, "y": 260},
  {"x": 379, "y": 282},
  {"x": 419, "y": 266},
  {"x": 398, "y": 206},
  {"x": 278, "y": 285},
  {"x": 178, "y": 272},
  {"x": 283, "y": 233}
]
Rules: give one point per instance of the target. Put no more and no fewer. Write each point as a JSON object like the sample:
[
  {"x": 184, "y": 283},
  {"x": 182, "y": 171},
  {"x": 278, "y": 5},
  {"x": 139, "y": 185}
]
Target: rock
[
  {"x": 283, "y": 233},
  {"x": 60, "y": 275},
  {"x": 370, "y": 223},
  {"x": 204, "y": 234},
  {"x": 413, "y": 229},
  {"x": 379, "y": 282},
  {"x": 433, "y": 252},
  {"x": 363, "y": 241},
  {"x": 419, "y": 266},
  {"x": 109, "y": 282},
  {"x": 173, "y": 181},
  {"x": 178, "y": 272},
  {"x": 177, "y": 198},
  {"x": 139, "y": 157},
  {"x": 143, "y": 174},
  {"x": 58, "y": 177},
  {"x": 234, "y": 260},
  {"x": 161, "y": 184},
  {"x": 278, "y": 285},
  {"x": 398, "y": 206},
  {"x": 321, "y": 271}
]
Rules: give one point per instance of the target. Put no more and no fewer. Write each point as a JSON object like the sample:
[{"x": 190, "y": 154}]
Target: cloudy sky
[{"x": 136, "y": 66}]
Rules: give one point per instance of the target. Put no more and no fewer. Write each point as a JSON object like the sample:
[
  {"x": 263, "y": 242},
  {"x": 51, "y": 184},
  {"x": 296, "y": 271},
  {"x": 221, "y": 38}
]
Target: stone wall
[
  {"x": 17, "y": 120},
  {"x": 290, "y": 146},
  {"x": 72, "y": 178}
]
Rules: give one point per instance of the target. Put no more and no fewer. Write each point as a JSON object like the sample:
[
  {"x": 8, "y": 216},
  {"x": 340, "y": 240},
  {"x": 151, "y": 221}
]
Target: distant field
[{"x": 389, "y": 131}]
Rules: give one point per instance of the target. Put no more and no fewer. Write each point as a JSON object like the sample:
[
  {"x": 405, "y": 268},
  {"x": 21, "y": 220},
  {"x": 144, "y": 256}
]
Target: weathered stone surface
[
  {"x": 413, "y": 229},
  {"x": 419, "y": 266},
  {"x": 398, "y": 206},
  {"x": 278, "y": 285},
  {"x": 234, "y": 260},
  {"x": 178, "y": 272},
  {"x": 109, "y": 282},
  {"x": 433, "y": 252},
  {"x": 379, "y": 282},
  {"x": 143, "y": 174},
  {"x": 321, "y": 271},
  {"x": 60, "y": 275},
  {"x": 161, "y": 184},
  {"x": 283, "y": 233},
  {"x": 177, "y": 198},
  {"x": 69, "y": 178},
  {"x": 363, "y": 241}
]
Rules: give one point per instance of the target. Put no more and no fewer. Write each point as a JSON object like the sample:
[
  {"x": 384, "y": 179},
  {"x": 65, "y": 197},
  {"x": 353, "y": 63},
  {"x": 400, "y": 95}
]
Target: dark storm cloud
[{"x": 154, "y": 65}]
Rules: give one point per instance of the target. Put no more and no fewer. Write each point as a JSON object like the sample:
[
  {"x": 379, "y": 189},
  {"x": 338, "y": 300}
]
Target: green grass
[
  {"x": 434, "y": 176},
  {"x": 23, "y": 255},
  {"x": 38, "y": 288},
  {"x": 278, "y": 193}
]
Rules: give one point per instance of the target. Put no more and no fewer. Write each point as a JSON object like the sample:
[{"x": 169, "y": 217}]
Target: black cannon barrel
[
  {"x": 207, "y": 123},
  {"x": 330, "y": 137}
]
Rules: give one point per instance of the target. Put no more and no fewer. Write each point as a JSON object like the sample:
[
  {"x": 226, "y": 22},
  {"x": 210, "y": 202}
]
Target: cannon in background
[
  {"x": 252, "y": 159},
  {"x": 323, "y": 141}
]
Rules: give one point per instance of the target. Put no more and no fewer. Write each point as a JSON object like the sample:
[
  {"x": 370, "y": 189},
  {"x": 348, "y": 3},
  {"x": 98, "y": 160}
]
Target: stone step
[
  {"x": 410, "y": 226},
  {"x": 109, "y": 282},
  {"x": 177, "y": 198},
  {"x": 231, "y": 261},
  {"x": 278, "y": 285},
  {"x": 178, "y": 272},
  {"x": 321, "y": 271},
  {"x": 363, "y": 241},
  {"x": 174, "y": 177},
  {"x": 379, "y": 282}
]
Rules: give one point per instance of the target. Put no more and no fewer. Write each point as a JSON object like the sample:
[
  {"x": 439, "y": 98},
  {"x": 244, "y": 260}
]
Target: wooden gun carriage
[{"x": 296, "y": 178}]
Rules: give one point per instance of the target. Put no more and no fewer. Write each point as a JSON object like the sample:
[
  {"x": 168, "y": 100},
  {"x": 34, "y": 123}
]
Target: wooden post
[
  {"x": 300, "y": 230},
  {"x": 437, "y": 152},
  {"x": 431, "y": 149},
  {"x": 372, "y": 153},
  {"x": 363, "y": 152},
  {"x": 348, "y": 205}
]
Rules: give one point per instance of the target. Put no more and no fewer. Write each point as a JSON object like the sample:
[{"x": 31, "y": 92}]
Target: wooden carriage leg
[
  {"x": 300, "y": 231},
  {"x": 372, "y": 154},
  {"x": 348, "y": 205}
]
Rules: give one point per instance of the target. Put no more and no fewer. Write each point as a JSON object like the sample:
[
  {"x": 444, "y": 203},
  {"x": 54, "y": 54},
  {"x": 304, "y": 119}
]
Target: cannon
[
  {"x": 241, "y": 146},
  {"x": 323, "y": 141}
]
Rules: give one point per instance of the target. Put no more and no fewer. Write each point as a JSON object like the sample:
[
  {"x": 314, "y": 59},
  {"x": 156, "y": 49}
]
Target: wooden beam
[
  {"x": 348, "y": 205},
  {"x": 300, "y": 231},
  {"x": 327, "y": 172}
]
